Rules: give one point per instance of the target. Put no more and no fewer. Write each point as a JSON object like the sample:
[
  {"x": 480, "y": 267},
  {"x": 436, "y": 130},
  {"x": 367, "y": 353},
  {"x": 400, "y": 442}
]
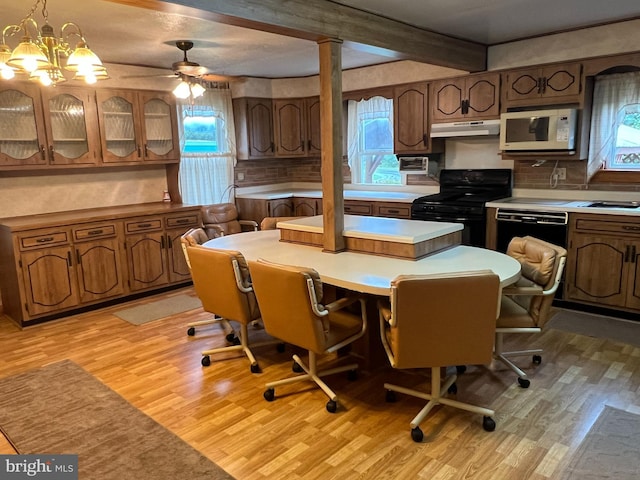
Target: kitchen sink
[{"x": 614, "y": 204}]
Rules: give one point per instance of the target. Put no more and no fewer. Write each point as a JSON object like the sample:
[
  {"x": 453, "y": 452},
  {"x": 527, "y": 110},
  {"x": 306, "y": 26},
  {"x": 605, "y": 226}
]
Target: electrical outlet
[
  {"x": 240, "y": 176},
  {"x": 561, "y": 173}
]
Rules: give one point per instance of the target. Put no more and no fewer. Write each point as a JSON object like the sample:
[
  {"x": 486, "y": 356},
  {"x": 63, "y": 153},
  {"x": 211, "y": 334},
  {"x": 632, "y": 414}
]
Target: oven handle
[{"x": 439, "y": 218}]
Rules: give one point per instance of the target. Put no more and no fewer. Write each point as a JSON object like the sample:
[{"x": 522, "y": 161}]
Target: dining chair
[
  {"x": 526, "y": 305},
  {"x": 290, "y": 299},
  {"x": 193, "y": 237},
  {"x": 221, "y": 280},
  {"x": 271, "y": 223},
  {"x": 222, "y": 219},
  {"x": 434, "y": 322}
]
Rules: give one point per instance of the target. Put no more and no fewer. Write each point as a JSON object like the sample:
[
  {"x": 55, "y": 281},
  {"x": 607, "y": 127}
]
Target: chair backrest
[
  {"x": 441, "y": 320},
  {"x": 542, "y": 264},
  {"x": 289, "y": 298},
  {"x": 221, "y": 280},
  {"x": 193, "y": 236},
  {"x": 222, "y": 215},
  {"x": 271, "y": 223}
]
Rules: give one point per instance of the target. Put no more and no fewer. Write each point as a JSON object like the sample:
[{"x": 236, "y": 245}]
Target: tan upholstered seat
[
  {"x": 192, "y": 237},
  {"x": 526, "y": 306},
  {"x": 221, "y": 280},
  {"x": 290, "y": 300},
  {"x": 435, "y": 321},
  {"x": 271, "y": 223},
  {"x": 222, "y": 219}
]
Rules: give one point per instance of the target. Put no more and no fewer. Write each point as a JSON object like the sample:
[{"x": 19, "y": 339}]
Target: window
[
  {"x": 370, "y": 142},
  {"x": 208, "y": 148},
  {"x": 615, "y": 125}
]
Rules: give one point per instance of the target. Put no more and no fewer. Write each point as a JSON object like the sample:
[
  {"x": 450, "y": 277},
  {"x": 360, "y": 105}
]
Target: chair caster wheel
[
  {"x": 231, "y": 337},
  {"x": 296, "y": 368},
  {"x": 416, "y": 434},
  {"x": 453, "y": 389},
  {"x": 332, "y": 406},
  {"x": 255, "y": 368},
  {"x": 280, "y": 347},
  {"x": 191, "y": 332},
  {"x": 352, "y": 375},
  {"x": 269, "y": 394},
  {"x": 488, "y": 424},
  {"x": 524, "y": 382},
  {"x": 236, "y": 341},
  {"x": 206, "y": 361},
  {"x": 391, "y": 396},
  {"x": 460, "y": 369},
  {"x": 537, "y": 359}
]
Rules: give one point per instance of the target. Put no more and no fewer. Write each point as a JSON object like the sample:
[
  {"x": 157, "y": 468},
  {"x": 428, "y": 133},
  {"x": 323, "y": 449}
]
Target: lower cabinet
[
  {"x": 603, "y": 261},
  {"x": 52, "y": 270},
  {"x": 257, "y": 209}
]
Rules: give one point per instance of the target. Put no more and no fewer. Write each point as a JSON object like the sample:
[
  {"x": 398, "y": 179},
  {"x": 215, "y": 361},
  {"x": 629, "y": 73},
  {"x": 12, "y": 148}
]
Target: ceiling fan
[{"x": 187, "y": 68}]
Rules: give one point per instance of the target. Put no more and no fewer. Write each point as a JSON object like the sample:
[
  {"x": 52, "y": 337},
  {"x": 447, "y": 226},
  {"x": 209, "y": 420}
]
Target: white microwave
[{"x": 539, "y": 130}]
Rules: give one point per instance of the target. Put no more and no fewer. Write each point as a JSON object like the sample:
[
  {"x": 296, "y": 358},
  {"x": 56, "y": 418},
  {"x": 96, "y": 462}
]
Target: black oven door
[{"x": 474, "y": 226}]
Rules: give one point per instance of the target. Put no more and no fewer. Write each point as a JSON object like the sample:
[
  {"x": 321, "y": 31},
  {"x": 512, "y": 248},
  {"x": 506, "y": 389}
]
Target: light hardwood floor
[{"x": 220, "y": 411}]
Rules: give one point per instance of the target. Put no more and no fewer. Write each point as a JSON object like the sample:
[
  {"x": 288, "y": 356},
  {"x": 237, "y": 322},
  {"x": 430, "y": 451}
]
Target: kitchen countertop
[
  {"x": 364, "y": 195},
  {"x": 377, "y": 228},
  {"x": 560, "y": 205}
]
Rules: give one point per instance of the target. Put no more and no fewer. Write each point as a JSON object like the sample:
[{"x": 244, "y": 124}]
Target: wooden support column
[{"x": 331, "y": 132}]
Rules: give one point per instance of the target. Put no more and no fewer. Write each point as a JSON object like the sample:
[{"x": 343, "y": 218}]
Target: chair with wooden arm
[
  {"x": 437, "y": 321},
  {"x": 271, "y": 223},
  {"x": 192, "y": 237},
  {"x": 290, "y": 301},
  {"x": 222, "y": 219},
  {"x": 526, "y": 305},
  {"x": 221, "y": 280}
]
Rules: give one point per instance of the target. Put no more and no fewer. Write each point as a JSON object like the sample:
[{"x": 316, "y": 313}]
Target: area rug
[
  {"x": 62, "y": 409},
  {"x": 158, "y": 309},
  {"x": 599, "y": 326},
  {"x": 611, "y": 449}
]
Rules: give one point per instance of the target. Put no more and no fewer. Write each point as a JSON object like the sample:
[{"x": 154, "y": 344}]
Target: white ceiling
[{"x": 128, "y": 35}]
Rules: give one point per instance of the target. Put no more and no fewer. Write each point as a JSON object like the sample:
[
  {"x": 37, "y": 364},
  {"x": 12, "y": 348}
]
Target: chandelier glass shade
[
  {"x": 41, "y": 53},
  {"x": 188, "y": 88}
]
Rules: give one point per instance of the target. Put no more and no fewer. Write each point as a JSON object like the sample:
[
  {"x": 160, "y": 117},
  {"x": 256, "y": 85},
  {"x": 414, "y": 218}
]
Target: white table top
[
  {"x": 361, "y": 272},
  {"x": 378, "y": 228}
]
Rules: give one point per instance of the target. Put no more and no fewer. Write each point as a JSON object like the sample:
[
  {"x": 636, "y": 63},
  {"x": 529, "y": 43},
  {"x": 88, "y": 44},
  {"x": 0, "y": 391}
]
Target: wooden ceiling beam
[{"x": 317, "y": 20}]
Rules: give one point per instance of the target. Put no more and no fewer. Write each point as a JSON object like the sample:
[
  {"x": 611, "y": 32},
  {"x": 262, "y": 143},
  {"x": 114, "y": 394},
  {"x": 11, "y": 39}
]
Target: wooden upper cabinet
[
  {"x": 254, "y": 128},
  {"x": 476, "y": 96},
  {"x": 314, "y": 140},
  {"x": 137, "y": 126},
  {"x": 22, "y": 133},
  {"x": 71, "y": 125},
  {"x": 410, "y": 125},
  {"x": 290, "y": 127},
  {"x": 555, "y": 83}
]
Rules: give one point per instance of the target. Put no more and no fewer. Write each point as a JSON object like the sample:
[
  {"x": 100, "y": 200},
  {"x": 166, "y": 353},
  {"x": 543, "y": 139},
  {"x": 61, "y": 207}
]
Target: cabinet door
[
  {"x": 49, "y": 280},
  {"x": 448, "y": 97},
  {"x": 159, "y": 122},
  {"x": 305, "y": 207},
  {"x": 314, "y": 140},
  {"x": 119, "y": 129},
  {"x": 597, "y": 269},
  {"x": 22, "y": 135},
  {"x": 410, "y": 108},
  {"x": 280, "y": 208},
  {"x": 260, "y": 128},
  {"x": 561, "y": 81},
  {"x": 72, "y": 125},
  {"x": 523, "y": 84},
  {"x": 633, "y": 280},
  {"x": 483, "y": 96},
  {"x": 147, "y": 260},
  {"x": 290, "y": 127},
  {"x": 177, "y": 264},
  {"x": 99, "y": 269}
]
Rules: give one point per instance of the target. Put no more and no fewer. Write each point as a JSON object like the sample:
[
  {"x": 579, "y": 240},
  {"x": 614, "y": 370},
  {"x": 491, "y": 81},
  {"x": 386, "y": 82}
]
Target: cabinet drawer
[
  {"x": 43, "y": 239},
  {"x": 90, "y": 232},
  {"x": 358, "y": 208},
  {"x": 399, "y": 211},
  {"x": 143, "y": 225},
  {"x": 631, "y": 227},
  {"x": 190, "y": 220}
]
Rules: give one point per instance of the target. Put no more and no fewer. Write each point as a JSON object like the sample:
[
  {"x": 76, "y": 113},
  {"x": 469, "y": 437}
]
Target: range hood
[{"x": 471, "y": 128}]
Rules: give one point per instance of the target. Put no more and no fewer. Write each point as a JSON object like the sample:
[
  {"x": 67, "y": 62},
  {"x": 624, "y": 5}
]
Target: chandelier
[{"x": 39, "y": 56}]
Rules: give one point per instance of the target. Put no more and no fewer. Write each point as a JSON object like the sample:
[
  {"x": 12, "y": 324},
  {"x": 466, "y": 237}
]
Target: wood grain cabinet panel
[
  {"x": 290, "y": 127},
  {"x": 554, "y": 84},
  {"x": 410, "y": 124},
  {"x": 475, "y": 96}
]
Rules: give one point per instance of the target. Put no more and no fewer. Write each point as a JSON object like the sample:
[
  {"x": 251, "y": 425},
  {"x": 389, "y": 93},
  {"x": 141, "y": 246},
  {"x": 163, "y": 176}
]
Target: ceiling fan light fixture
[
  {"x": 183, "y": 90},
  {"x": 197, "y": 90}
]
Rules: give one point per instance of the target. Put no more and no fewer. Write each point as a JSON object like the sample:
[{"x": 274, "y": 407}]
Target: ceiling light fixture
[
  {"x": 188, "y": 87},
  {"x": 40, "y": 56}
]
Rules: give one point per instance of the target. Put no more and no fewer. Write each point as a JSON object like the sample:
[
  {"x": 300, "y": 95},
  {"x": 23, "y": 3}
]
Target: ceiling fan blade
[{"x": 214, "y": 77}]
